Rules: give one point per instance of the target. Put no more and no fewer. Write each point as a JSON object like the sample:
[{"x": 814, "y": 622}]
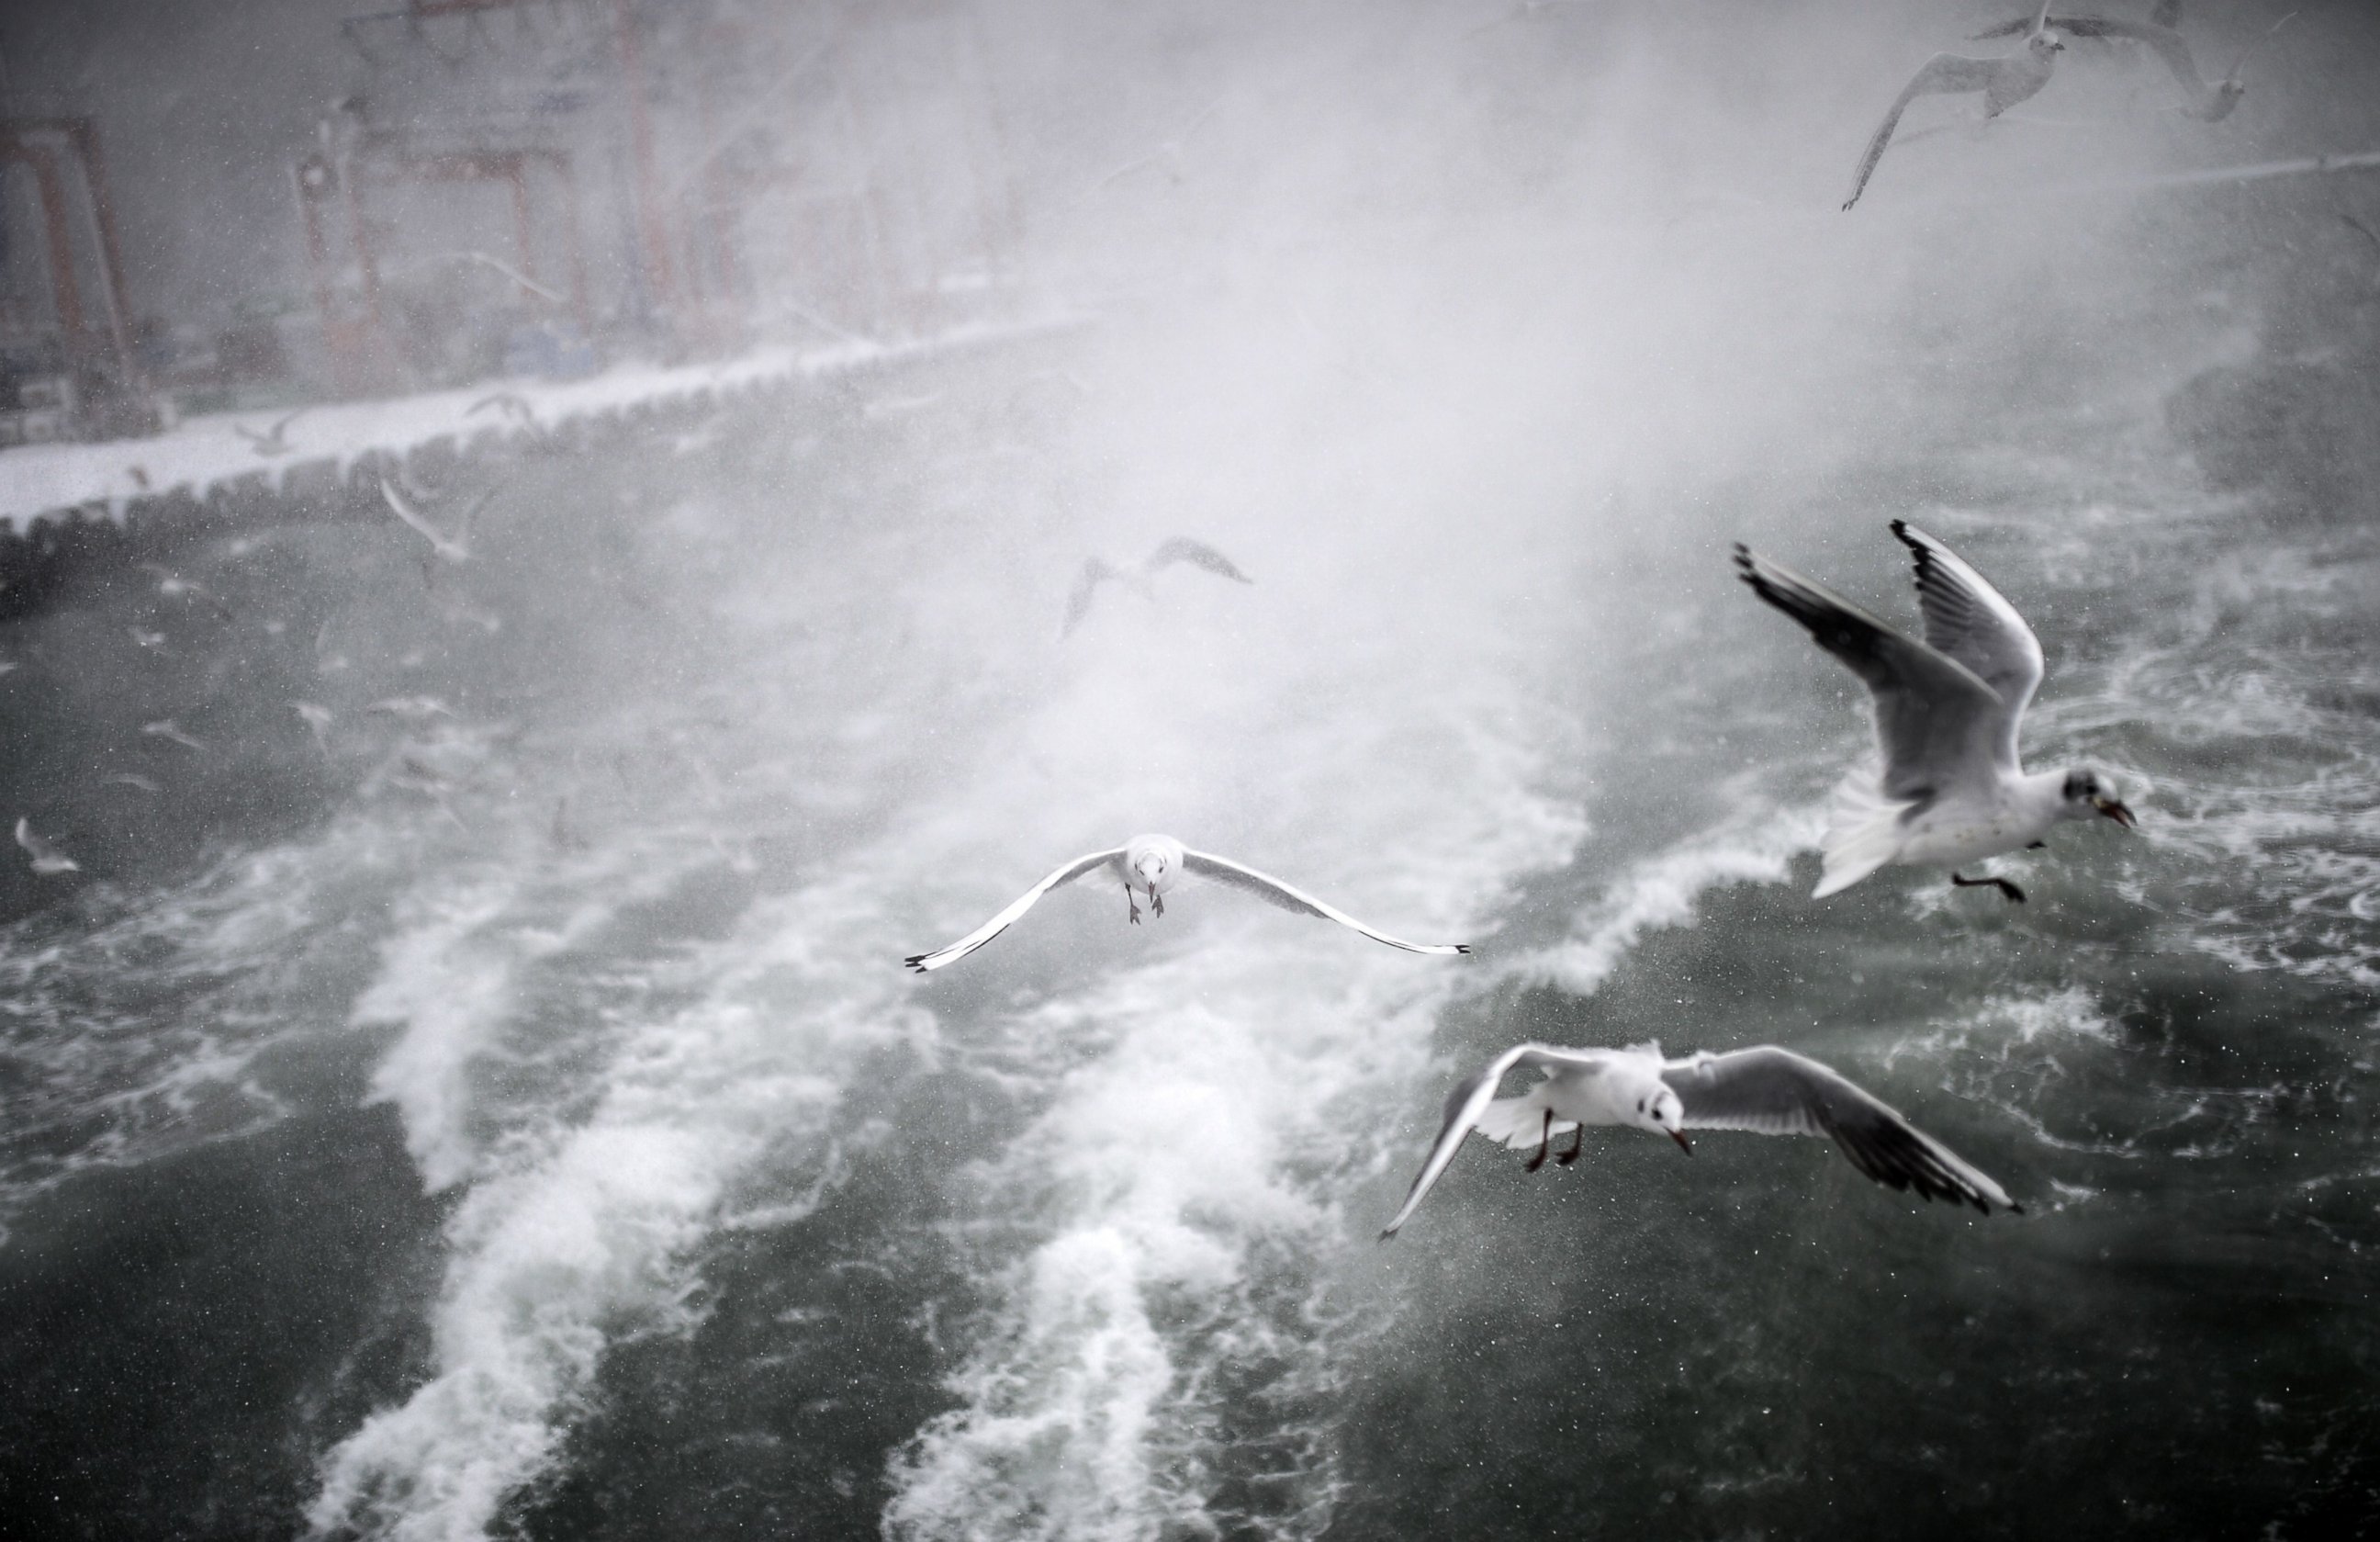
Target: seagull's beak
[
  {"x": 2116, "y": 811},
  {"x": 1683, "y": 1143}
]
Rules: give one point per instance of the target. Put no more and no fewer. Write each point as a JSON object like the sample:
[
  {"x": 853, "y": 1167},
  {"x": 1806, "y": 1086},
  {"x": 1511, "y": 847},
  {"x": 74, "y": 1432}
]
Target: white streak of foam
[
  {"x": 1663, "y": 890},
  {"x": 1183, "y": 1186},
  {"x": 593, "y": 1232}
]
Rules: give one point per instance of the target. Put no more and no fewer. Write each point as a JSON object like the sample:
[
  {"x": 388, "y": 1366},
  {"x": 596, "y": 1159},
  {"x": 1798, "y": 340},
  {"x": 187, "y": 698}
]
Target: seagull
[
  {"x": 143, "y": 638},
  {"x": 512, "y": 406},
  {"x": 133, "y": 780},
  {"x": 173, "y": 586},
  {"x": 48, "y": 860},
  {"x": 2004, "y": 82},
  {"x": 1154, "y": 864},
  {"x": 1947, "y": 715},
  {"x": 1767, "y": 1090},
  {"x": 167, "y": 728},
  {"x": 1180, "y": 549},
  {"x": 455, "y": 548},
  {"x": 2206, "y": 103},
  {"x": 271, "y": 442}
]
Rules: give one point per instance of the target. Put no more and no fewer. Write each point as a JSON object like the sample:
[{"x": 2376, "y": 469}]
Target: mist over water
[{"x": 514, "y": 1121}]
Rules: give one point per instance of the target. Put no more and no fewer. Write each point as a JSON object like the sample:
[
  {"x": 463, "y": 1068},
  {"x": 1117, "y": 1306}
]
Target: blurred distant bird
[
  {"x": 1180, "y": 549},
  {"x": 173, "y": 586},
  {"x": 412, "y": 709},
  {"x": 167, "y": 728},
  {"x": 1948, "y": 710},
  {"x": 48, "y": 860},
  {"x": 1168, "y": 153},
  {"x": 455, "y": 548},
  {"x": 318, "y": 722},
  {"x": 1767, "y": 1090},
  {"x": 143, "y": 638},
  {"x": 133, "y": 780},
  {"x": 9, "y": 666},
  {"x": 512, "y": 407},
  {"x": 2206, "y": 103},
  {"x": 2004, "y": 82},
  {"x": 273, "y": 441},
  {"x": 1153, "y": 865}
]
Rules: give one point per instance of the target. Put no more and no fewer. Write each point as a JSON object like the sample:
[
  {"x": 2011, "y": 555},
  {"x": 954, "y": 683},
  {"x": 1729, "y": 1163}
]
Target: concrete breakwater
[{"x": 71, "y": 509}]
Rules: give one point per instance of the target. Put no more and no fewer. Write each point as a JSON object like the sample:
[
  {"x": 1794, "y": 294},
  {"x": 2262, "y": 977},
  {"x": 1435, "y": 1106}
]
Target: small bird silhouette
[
  {"x": 2004, "y": 82},
  {"x": 2208, "y": 104},
  {"x": 455, "y": 547},
  {"x": 274, "y": 441},
  {"x": 1180, "y": 549}
]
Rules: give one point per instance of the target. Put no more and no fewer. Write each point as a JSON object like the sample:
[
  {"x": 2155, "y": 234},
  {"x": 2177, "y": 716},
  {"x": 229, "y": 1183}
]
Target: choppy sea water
[{"x": 511, "y": 1118}]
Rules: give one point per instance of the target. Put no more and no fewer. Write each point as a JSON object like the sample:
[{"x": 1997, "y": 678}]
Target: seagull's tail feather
[{"x": 1863, "y": 834}]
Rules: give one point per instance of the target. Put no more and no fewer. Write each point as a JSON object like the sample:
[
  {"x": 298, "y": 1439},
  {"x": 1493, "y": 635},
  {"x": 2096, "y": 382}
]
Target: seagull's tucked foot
[
  {"x": 2014, "y": 894},
  {"x": 1545, "y": 1143},
  {"x": 1577, "y": 1145},
  {"x": 1133, "y": 903},
  {"x": 1156, "y": 902}
]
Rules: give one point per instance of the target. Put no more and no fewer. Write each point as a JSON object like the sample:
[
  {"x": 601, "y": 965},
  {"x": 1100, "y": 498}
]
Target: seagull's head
[
  {"x": 2044, "y": 46},
  {"x": 1659, "y": 1110},
  {"x": 2087, "y": 794},
  {"x": 1151, "y": 867}
]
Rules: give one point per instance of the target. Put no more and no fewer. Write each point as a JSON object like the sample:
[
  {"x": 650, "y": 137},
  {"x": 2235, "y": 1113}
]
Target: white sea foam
[
  {"x": 1755, "y": 845},
  {"x": 1181, "y": 1185},
  {"x": 590, "y": 1230}
]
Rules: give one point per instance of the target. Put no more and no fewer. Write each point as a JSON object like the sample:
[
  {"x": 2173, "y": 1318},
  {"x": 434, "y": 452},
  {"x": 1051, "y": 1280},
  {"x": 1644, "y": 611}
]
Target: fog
[{"x": 490, "y": 1092}]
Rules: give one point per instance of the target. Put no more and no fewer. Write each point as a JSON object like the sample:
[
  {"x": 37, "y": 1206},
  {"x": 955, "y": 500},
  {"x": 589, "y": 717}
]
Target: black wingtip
[
  {"x": 1900, "y": 531},
  {"x": 915, "y": 960},
  {"x": 1390, "y": 1235},
  {"x": 1463, "y": 948},
  {"x": 2015, "y": 1208}
]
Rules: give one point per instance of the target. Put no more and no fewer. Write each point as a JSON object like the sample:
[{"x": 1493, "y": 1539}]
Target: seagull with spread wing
[
  {"x": 273, "y": 441},
  {"x": 1180, "y": 549},
  {"x": 1948, "y": 712},
  {"x": 2208, "y": 104},
  {"x": 1153, "y": 865},
  {"x": 455, "y": 547},
  {"x": 2004, "y": 82},
  {"x": 1767, "y": 1090}
]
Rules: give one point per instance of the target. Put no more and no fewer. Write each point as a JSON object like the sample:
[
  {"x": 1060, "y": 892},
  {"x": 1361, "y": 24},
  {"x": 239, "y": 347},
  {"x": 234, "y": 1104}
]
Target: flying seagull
[
  {"x": 2004, "y": 82},
  {"x": 1153, "y": 865},
  {"x": 455, "y": 548},
  {"x": 1767, "y": 1090},
  {"x": 133, "y": 780},
  {"x": 1180, "y": 549},
  {"x": 48, "y": 860},
  {"x": 272, "y": 441},
  {"x": 2208, "y": 104},
  {"x": 1947, "y": 715}
]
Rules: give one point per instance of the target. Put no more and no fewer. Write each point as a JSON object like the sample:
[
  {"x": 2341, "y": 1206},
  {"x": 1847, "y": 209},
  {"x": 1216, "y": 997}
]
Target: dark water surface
[{"x": 515, "y": 1121}]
